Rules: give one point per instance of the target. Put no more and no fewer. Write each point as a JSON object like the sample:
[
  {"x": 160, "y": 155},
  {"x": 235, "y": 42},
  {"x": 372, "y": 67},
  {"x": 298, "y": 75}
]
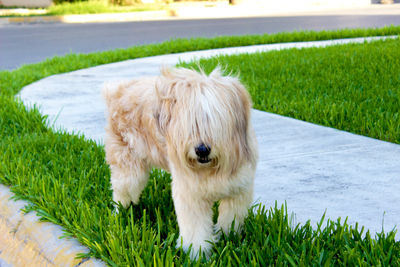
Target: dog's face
[{"x": 205, "y": 119}]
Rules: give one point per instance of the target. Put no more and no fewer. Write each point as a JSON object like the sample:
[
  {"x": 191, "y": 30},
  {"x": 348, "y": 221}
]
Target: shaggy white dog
[{"x": 198, "y": 128}]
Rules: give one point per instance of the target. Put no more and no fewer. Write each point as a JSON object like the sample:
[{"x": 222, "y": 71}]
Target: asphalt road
[{"x": 30, "y": 43}]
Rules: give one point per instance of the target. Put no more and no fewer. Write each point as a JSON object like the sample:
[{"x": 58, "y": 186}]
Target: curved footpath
[{"x": 314, "y": 169}]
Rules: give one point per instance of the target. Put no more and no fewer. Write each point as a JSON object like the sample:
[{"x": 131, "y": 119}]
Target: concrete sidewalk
[{"x": 212, "y": 10}]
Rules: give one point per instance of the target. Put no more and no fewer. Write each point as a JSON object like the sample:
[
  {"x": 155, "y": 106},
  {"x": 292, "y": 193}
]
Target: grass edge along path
[{"x": 63, "y": 177}]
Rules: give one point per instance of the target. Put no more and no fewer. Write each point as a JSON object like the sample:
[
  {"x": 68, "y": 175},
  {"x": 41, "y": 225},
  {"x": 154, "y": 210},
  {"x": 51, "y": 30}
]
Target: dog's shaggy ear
[
  {"x": 244, "y": 121},
  {"x": 166, "y": 99}
]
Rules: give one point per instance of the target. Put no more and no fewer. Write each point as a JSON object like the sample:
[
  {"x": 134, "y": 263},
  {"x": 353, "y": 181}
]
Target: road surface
[{"x": 30, "y": 43}]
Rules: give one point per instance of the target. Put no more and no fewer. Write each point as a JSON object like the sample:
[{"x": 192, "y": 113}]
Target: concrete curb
[{"x": 25, "y": 241}]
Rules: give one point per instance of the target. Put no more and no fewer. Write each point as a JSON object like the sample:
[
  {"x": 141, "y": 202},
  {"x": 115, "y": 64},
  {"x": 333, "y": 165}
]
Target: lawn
[
  {"x": 66, "y": 180},
  {"x": 97, "y": 7},
  {"x": 86, "y": 7}
]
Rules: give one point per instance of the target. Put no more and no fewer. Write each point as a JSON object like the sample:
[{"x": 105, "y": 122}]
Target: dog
[{"x": 195, "y": 126}]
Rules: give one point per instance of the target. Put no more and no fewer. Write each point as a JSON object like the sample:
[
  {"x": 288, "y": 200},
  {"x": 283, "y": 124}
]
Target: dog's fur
[{"x": 159, "y": 122}]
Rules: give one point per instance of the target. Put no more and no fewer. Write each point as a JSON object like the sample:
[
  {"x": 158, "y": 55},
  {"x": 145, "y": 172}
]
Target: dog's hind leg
[
  {"x": 235, "y": 209},
  {"x": 128, "y": 183}
]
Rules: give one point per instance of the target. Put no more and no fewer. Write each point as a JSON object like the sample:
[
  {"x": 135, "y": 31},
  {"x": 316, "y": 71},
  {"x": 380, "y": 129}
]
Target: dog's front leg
[
  {"x": 128, "y": 183},
  {"x": 194, "y": 217},
  {"x": 233, "y": 208}
]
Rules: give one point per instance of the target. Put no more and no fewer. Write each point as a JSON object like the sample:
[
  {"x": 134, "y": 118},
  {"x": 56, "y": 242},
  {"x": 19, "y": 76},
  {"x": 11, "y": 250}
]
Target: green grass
[
  {"x": 86, "y": 7},
  {"x": 97, "y": 7},
  {"x": 66, "y": 179},
  {"x": 354, "y": 87}
]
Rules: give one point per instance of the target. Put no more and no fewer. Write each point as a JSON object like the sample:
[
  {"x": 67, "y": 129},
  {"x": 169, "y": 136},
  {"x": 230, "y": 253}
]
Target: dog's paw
[
  {"x": 115, "y": 210},
  {"x": 224, "y": 228},
  {"x": 118, "y": 207},
  {"x": 195, "y": 250}
]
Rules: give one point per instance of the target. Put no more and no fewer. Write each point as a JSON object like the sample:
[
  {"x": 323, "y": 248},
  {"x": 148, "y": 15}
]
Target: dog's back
[{"x": 132, "y": 129}]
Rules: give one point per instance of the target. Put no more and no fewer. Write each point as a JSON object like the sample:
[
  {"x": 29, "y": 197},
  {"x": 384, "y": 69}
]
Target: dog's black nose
[{"x": 202, "y": 150}]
